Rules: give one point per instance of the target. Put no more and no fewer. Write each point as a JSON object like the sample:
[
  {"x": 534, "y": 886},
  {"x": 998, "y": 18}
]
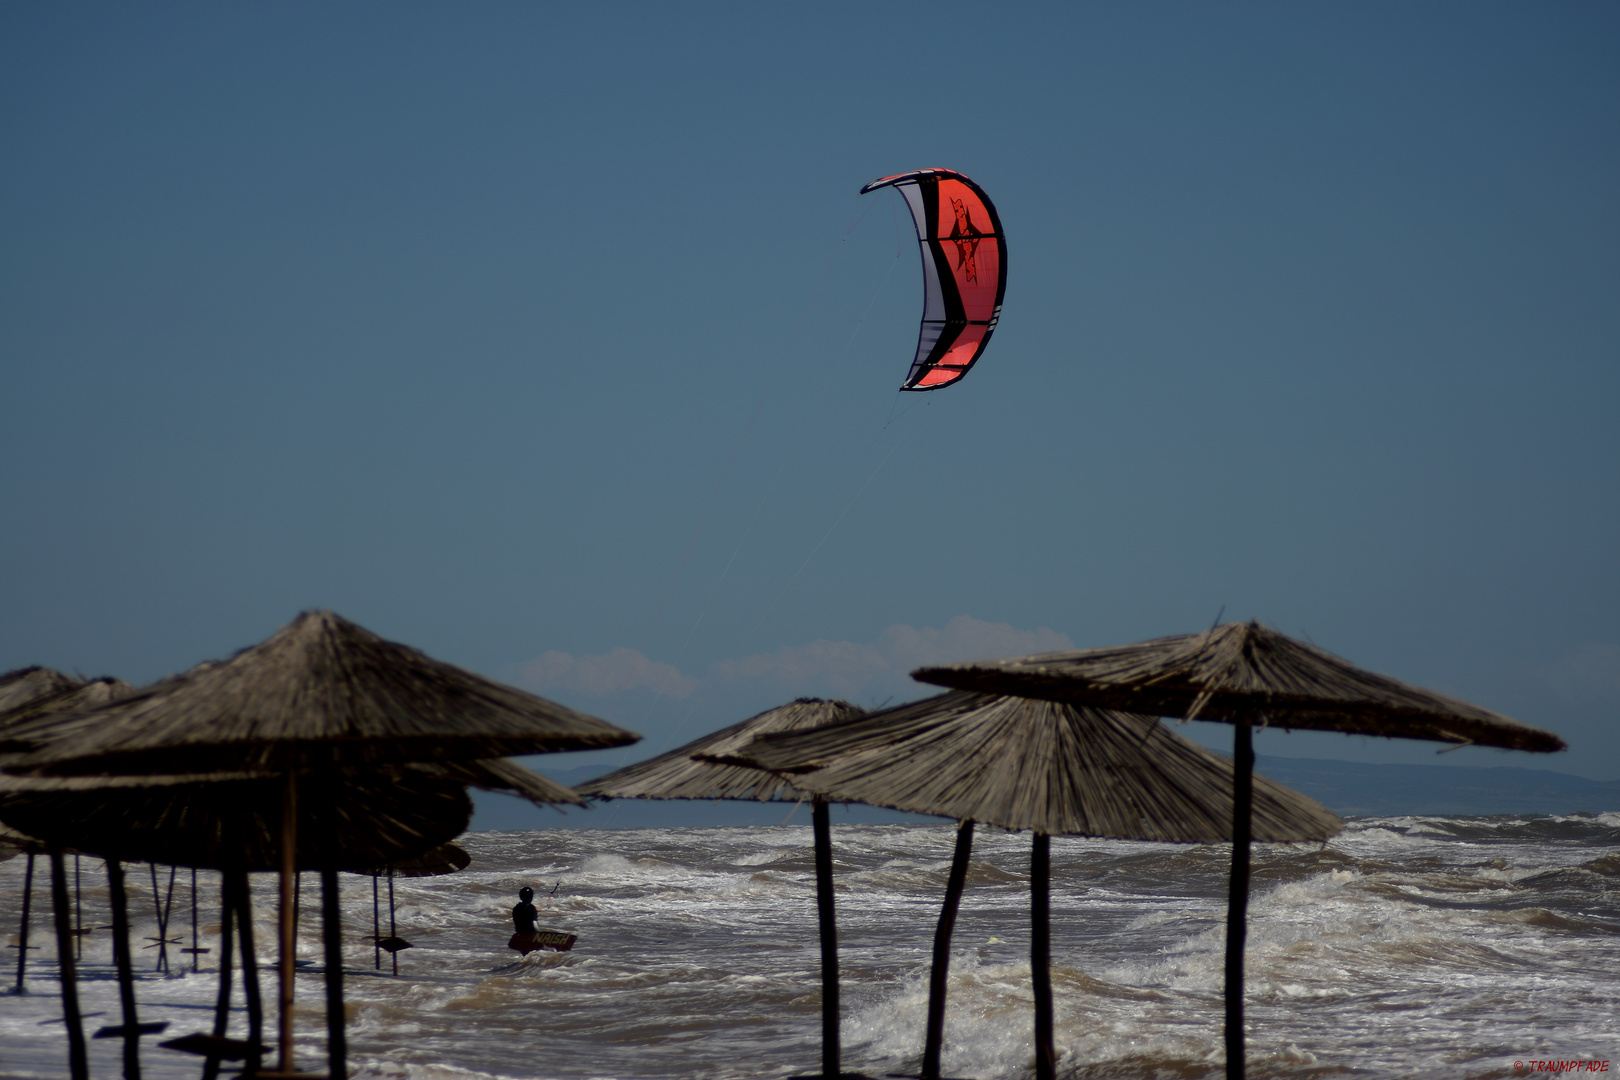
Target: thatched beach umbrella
[
  {"x": 355, "y": 818},
  {"x": 24, "y": 685},
  {"x": 32, "y": 699},
  {"x": 320, "y": 694},
  {"x": 679, "y": 774},
  {"x": 1018, "y": 764},
  {"x": 1246, "y": 675}
]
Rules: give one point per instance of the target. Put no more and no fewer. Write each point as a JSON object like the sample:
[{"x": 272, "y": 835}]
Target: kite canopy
[{"x": 964, "y": 258}]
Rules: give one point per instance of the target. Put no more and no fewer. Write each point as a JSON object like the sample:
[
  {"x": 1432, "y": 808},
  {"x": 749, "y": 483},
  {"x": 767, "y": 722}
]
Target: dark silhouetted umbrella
[
  {"x": 320, "y": 694},
  {"x": 32, "y": 699},
  {"x": 1052, "y": 768},
  {"x": 1246, "y": 675},
  {"x": 680, "y": 775}
]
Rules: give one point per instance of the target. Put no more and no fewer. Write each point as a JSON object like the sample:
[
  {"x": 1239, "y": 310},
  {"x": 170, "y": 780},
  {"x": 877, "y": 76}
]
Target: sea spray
[{"x": 1413, "y": 946}]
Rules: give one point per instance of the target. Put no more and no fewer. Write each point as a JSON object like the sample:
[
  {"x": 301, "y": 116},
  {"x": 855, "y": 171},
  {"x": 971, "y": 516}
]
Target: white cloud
[
  {"x": 610, "y": 673},
  {"x": 851, "y": 669},
  {"x": 862, "y": 671},
  {"x": 1591, "y": 671}
]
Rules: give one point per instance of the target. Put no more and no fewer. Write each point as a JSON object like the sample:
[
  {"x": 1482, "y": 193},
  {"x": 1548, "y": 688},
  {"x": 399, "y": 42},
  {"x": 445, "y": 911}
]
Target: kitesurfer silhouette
[
  {"x": 524, "y": 914},
  {"x": 528, "y": 937}
]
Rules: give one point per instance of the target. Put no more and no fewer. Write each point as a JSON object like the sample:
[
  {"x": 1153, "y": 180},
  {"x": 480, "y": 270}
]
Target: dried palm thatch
[
  {"x": 27, "y": 724},
  {"x": 23, "y": 685},
  {"x": 36, "y": 723},
  {"x": 1048, "y": 767},
  {"x": 1244, "y": 671},
  {"x": 442, "y": 860},
  {"x": 319, "y": 692},
  {"x": 353, "y": 819},
  {"x": 498, "y": 774},
  {"x": 230, "y": 819},
  {"x": 14, "y": 843},
  {"x": 676, "y": 775}
]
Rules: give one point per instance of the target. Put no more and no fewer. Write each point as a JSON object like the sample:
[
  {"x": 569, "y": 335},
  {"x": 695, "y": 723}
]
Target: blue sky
[{"x": 557, "y": 343}]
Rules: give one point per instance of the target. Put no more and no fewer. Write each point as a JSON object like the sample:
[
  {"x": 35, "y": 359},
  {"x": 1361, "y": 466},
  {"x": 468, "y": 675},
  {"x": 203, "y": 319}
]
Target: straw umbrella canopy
[
  {"x": 1052, "y": 768},
  {"x": 321, "y": 691},
  {"x": 436, "y": 862},
  {"x": 233, "y": 821},
  {"x": 320, "y": 694},
  {"x": 681, "y": 774},
  {"x": 1244, "y": 674},
  {"x": 399, "y": 815},
  {"x": 31, "y": 700},
  {"x": 23, "y": 685}
]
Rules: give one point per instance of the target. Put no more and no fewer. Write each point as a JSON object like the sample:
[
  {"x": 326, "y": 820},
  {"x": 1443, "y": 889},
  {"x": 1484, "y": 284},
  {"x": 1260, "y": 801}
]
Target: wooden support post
[
  {"x": 250, "y": 969},
  {"x": 288, "y": 913},
  {"x": 78, "y": 1061},
  {"x": 196, "y": 953},
  {"x": 1040, "y": 953},
  {"x": 126, "y": 970},
  {"x": 22, "y": 935},
  {"x": 1237, "y": 897},
  {"x": 78, "y": 913},
  {"x": 830, "y": 1051},
  {"x": 935, "y": 1040},
  {"x": 164, "y": 906},
  {"x": 393, "y": 932},
  {"x": 376, "y": 926},
  {"x": 222, "y": 1004},
  {"x": 332, "y": 928}
]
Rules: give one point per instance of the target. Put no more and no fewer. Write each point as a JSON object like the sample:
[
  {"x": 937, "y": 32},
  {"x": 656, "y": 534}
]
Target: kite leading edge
[{"x": 964, "y": 258}]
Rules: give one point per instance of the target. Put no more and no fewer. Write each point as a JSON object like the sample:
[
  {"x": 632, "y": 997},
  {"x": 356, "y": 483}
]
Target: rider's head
[{"x": 525, "y": 894}]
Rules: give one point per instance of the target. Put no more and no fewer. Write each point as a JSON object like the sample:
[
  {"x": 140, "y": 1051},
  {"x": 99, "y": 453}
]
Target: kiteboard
[{"x": 527, "y": 943}]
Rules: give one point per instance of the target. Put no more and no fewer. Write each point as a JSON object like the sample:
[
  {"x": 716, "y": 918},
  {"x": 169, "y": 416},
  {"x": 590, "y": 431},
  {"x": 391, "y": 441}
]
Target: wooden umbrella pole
[
  {"x": 337, "y": 1050},
  {"x": 1237, "y": 897},
  {"x": 250, "y": 969},
  {"x": 196, "y": 966},
  {"x": 78, "y": 913},
  {"x": 164, "y": 908},
  {"x": 392, "y": 932},
  {"x": 376, "y": 926},
  {"x": 222, "y": 1004},
  {"x": 78, "y": 1062},
  {"x": 942, "y": 951},
  {"x": 22, "y": 934},
  {"x": 126, "y": 969},
  {"x": 1040, "y": 953},
  {"x": 831, "y": 1069},
  {"x": 289, "y": 876}
]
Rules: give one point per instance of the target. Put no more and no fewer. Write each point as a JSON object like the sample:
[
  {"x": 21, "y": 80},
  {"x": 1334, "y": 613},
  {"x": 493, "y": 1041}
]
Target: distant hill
[{"x": 1346, "y": 787}]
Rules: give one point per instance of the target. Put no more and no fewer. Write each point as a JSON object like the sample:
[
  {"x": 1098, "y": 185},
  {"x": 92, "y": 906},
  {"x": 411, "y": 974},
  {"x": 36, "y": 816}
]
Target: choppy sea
[{"x": 1406, "y": 947}]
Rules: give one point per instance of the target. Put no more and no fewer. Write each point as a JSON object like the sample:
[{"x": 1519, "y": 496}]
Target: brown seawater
[{"x": 1407, "y": 947}]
